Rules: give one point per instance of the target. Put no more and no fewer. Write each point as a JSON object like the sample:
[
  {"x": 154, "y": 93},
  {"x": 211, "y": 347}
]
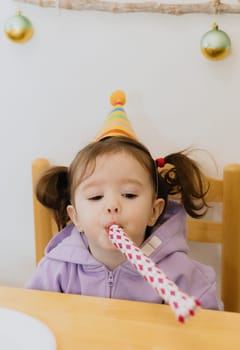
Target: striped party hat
[{"x": 116, "y": 123}]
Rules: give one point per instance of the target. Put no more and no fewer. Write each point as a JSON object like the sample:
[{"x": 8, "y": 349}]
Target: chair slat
[
  {"x": 215, "y": 193},
  {"x": 42, "y": 216},
  {"x": 231, "y": 238},
  {"x": 204, "y": 231}
]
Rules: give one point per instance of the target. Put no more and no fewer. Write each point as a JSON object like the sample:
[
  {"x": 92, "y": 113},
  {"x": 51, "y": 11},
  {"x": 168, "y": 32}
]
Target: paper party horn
[{"x": 182, "y": 304}]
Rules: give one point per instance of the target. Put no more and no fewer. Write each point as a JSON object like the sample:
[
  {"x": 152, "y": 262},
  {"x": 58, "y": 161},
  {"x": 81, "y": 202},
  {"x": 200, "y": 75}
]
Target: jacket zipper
[{"x": 110, "y": 282}]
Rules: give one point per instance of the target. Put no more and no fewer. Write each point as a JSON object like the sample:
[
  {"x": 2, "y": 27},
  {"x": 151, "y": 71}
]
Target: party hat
[{"x": 117, "y": 122}]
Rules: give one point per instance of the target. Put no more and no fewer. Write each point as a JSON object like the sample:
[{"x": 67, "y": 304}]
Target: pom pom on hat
[
  {"x": 117, "y": 122},
  {"x": 118, "y": 97}
]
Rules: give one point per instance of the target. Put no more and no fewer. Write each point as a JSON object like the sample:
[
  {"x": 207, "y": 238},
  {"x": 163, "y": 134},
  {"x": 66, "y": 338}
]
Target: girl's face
[{"x": 118, "y": 191}]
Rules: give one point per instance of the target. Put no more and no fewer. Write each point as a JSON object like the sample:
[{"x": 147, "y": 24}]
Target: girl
[{"x": 116, "y": 181}]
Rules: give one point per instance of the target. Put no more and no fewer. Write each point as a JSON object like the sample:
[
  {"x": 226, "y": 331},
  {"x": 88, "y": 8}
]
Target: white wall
[{"x": 55, "y": 90}]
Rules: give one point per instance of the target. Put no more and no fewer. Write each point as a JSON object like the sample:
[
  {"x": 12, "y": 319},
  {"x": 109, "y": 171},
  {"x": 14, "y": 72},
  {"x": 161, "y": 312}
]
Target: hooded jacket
[{"x": 69, "y": 267}]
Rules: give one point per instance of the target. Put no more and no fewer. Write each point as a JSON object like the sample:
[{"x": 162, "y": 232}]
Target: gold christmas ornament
[
  {"x": 215, "y": 44},
  {"x": 18, "y": 28}
]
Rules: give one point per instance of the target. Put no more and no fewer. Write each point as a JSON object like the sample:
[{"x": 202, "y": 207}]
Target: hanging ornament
[
  {"x": 18, "y": 28},
  {"x": 215, "y": 44}
]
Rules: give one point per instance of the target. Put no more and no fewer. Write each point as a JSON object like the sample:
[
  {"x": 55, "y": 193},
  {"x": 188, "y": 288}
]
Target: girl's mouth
[{"x": 107, "y": 227}]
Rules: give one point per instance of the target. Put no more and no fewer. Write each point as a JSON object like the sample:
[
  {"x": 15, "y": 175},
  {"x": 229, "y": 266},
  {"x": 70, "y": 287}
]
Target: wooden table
[{"x": 87, "y": 323}]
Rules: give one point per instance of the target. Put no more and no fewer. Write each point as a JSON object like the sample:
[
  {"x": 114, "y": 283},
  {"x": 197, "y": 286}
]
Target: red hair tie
[{"x": 160, "y": 162}]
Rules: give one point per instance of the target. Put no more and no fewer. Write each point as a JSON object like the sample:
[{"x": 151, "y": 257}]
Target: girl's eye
[
  {"x": 95, "y": 198},
  {"x": 129, "y": 195}
]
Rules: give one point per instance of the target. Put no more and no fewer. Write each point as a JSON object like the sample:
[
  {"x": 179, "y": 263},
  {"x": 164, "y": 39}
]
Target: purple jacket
[{"x": 68, "y": 266}]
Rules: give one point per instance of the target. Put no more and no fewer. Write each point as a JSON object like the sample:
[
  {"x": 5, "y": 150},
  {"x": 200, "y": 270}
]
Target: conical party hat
[{"x": 117, "y": 123}]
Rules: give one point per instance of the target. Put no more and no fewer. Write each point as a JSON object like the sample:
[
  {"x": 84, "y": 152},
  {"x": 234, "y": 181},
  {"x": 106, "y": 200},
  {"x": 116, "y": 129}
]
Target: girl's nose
[
  {"x": 112, "y": 205},
  {"x": 113, "y": 209}
]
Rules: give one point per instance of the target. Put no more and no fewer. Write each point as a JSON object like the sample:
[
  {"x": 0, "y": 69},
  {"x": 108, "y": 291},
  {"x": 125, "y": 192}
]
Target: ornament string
[
  {"x": 57, "y": 2},
  {"x": 182, "y": 305},
  {"x": 217, "y": 7},
  {"x": 18, "y": 8}
]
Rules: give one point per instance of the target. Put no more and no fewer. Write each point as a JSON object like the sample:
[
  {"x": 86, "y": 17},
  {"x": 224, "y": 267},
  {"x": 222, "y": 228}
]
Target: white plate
[{"x": 19, "y": 331}]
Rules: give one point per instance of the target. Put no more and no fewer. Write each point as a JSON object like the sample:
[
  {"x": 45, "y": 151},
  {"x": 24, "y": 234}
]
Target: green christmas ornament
[
  {"x": 215, "y": 44},
  {"x": 18, "y": 28}
]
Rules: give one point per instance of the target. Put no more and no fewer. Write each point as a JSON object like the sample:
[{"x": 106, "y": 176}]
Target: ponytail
[
  {"x": 52, "y": 191},
  {"x": 186, "y": 179}
]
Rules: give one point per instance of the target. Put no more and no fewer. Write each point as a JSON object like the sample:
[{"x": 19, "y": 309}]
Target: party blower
[{"x": 182, "y": 304}]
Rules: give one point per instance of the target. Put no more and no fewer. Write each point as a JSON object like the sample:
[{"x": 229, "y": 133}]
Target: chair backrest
[{"x": 225, "y": 231}]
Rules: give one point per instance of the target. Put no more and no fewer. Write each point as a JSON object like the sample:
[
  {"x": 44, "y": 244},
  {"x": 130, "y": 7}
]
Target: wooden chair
[{"x": 227, "y": 231}]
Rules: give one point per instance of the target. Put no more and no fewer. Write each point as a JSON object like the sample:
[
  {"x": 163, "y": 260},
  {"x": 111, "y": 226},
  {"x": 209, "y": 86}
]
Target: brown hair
[{"x": 183, "y": 177}]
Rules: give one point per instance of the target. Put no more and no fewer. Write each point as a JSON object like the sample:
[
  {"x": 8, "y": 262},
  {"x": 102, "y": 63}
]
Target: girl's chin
[
  {"x": 106, "y": 243},
  {"x": 110, "y": 247}
]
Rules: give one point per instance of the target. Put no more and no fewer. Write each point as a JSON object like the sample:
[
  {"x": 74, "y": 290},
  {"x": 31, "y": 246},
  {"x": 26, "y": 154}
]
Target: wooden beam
[{"x": 211, "y": 7}]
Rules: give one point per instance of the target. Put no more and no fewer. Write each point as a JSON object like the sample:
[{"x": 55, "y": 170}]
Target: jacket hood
[{"x": 167, "y": 236}]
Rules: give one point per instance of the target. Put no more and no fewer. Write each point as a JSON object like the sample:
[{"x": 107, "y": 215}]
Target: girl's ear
[
  {"x": 72, "y": 214},
  {"x": 157, "y": 210}
]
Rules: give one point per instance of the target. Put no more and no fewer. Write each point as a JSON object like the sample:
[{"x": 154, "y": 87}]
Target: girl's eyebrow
[{"x": 96, "y": 183}]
